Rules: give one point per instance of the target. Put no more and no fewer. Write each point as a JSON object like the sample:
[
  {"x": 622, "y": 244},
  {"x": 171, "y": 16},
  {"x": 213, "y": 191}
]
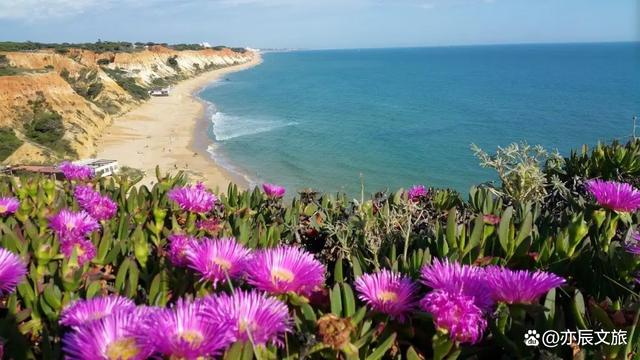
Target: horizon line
[{"x": 267, "y": 49}]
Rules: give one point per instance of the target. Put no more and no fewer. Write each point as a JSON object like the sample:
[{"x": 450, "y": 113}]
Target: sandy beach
[{"x": 170, "y": 132}]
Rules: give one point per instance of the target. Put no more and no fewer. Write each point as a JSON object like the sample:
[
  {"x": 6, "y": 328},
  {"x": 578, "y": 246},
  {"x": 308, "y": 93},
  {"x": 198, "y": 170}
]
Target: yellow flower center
[
  {"x": 79, "y": 250},
  {"x": 388, "y": 296},
  {"x": 97, "y": 315},
  {"x": 3, "y": 209},
  {"x": 192, "y": 337},
  {"x": 280, "y": 274},
  {"x": 223, "y": 263},
  {"x": 122, "y": 349},
  {"x": 244, "y": 325}
]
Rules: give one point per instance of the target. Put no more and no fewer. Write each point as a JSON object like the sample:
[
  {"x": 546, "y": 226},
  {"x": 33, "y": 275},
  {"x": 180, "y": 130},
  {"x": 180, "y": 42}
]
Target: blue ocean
[{"x": 336, "y": 120}]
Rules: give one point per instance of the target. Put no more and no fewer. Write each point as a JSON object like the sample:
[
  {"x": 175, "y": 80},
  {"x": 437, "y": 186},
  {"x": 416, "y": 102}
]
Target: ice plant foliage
[
  {"x": 455, "y": 314},
  {"x": 457, "y": 278},
  {"x": 99, "y": 206},
  {"x": 12, "y": 270},
  {"x": 273, "y": 191},
  {"x": 82, "y": 312},
  {"x": 184, "y": 332},
  {"x": 417, "y": 192},
  {"x": 8, "y": 205},
  {"x": 178, "y": 246},
  {"x": 614, "y": 195},
  {"x": 85, "y": 250},
  {"x": 68, "y": 224},
  {"x": 387, "y": 292},
  {"x": 72, "y": 171},
  {"x": 111, "y": 337},
  {"x": 215, "y": 259},
  {"x": 251, "y": 316},
  {"x": 285, "y": 269},
  {"x": 193, "y": 198},
  {"x": 520, "y": 286}
]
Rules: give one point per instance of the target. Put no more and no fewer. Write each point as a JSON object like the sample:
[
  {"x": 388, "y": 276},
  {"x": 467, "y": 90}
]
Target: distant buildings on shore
[
  {"x": 159, "y": 92},
  {"x": 101, "y": 168}
]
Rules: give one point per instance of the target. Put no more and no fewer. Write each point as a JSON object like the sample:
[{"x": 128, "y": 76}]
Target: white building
[{"x": 101, "y": 167}]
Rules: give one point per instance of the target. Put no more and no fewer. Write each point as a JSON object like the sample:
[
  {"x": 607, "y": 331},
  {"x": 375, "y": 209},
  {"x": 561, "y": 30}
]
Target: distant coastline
[{"x": 171, "y": 132}]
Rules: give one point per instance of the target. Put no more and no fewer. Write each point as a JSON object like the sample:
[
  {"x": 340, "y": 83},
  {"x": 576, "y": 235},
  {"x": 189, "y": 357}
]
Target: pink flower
[
  {"x": 273, "y": 191},
  {"x": 12, "y": 271},
  {"x": 69, "y": 224},
  {"x": 388, "y": 292},
  {"x": 250, "y": 316},
  {"x": 633, "y": 246},
  {"x": 456, "y": 314},
  {"x": 285, "y": 269},
  {"x": 417, "y": 192},
  {"x": 491, "y": 219},
  {"x": 184, "y": 332},
  {"x": 76, "y": 172},
  {"x": 454, "y": 277},
  {"x": 178, "y": 246},
  {"x": 193, "y": 198},
  {"x": 8, "y": 205},
  {"x": 520, "y": 286},
  {"x": 215, "y": 259},
  {"x": 614, "y": 195},
  {"x": 98, "y": 206},
  {"x": 85, "y": 250}
]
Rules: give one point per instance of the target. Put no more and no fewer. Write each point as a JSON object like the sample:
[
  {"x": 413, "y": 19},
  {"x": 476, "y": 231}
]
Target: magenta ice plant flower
[
  {"x": 209, "y": 225},
  {"x": 520, "y": 286},
  {"x": 251, "y": 316},
  {"x": 178, "y": 246},
  {"x": 99, "y": 206},
  {"x": 388, "y": 292},
  {"x": 273, "y": 191},
  {"x": 85, "y": 250},
  {"x": 111, "y": 337},
  {"x": 184, "y": 332},
  {"x": 285, "y": 269},
  {"x": 491, "y": 219},
  {"x": 82, "y": 312},
  {"x": 215, "y": 259},
  {"x": 194, "y": 199},
  {"x": 454, "y": 277},
  {"x": 73, "y": 171},
  {"x": 8, "y": 205},
  {"x": 633, "y": 246},
  {"x": 12, "y": 271},
  {"x": 68, "y": 224},
  {"x": 84, "y": 194},
  {"x": 455, "y": 314},
  {"x": 417, "y": 192},
  {"x": 621, "y": 197}
]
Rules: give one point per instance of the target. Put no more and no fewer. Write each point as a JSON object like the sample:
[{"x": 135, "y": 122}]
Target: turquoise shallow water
[{"x": 396, "y": 117}]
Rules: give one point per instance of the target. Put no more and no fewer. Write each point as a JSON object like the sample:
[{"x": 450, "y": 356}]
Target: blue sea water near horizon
[{"x": 332, "y": 120}]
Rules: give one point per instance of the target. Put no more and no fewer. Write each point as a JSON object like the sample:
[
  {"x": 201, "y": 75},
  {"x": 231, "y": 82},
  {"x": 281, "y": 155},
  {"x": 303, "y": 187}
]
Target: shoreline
[{"x": 171, "y": 132}]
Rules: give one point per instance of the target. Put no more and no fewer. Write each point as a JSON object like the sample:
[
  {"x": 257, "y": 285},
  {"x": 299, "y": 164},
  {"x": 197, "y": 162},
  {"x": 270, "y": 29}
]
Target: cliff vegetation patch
[{"x": 9, "y": 142}]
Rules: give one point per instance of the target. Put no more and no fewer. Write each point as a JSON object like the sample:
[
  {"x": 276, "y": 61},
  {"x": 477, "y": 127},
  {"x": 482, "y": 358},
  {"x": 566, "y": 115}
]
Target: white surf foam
[{"x": 226, "y": 127}]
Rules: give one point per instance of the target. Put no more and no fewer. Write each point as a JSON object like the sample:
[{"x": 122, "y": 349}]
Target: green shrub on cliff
[
  {"x": 9, "y": 142},
  {"x": 44, "y": 126},
  {"x": 128, "y": 83},
  {"x": 86, "y": 83}
]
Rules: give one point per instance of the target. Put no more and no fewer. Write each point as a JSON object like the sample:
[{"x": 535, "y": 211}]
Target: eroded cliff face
[{"x": 87, "y": 90}]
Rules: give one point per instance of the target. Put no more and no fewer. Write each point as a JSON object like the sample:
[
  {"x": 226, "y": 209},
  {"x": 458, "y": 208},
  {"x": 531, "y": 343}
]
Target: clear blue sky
[{"x": 321, "y": 23}]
